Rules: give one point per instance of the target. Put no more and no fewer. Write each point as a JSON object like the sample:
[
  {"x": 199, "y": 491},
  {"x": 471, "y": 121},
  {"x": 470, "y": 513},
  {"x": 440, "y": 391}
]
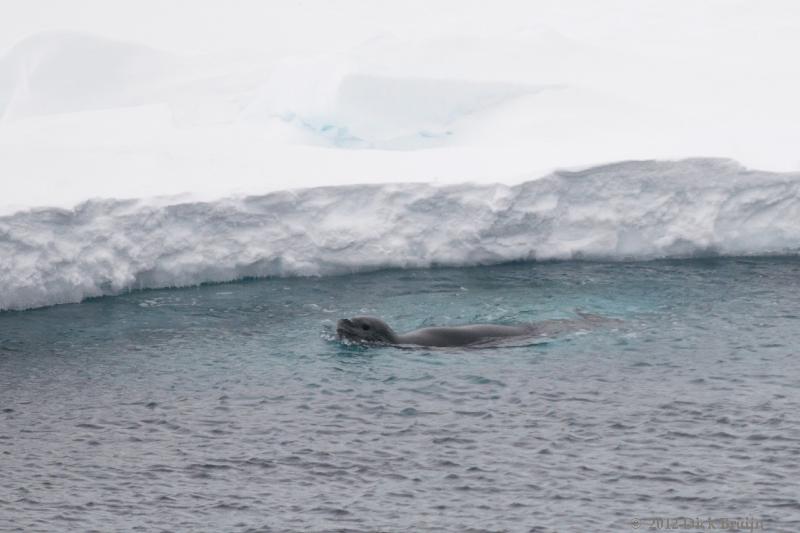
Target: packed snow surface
[
  {"x": 143, "y": 99},
  {"x": 631, "y": 210}
]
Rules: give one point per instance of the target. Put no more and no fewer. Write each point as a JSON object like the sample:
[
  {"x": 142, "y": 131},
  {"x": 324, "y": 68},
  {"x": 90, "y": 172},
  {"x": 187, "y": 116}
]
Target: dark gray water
[{"x": 229, "y": 408}]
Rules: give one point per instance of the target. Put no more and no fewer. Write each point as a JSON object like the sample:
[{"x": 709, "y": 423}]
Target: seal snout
[
  {"x": 364, "y": 329},
  {"x": 345, "y": 325}
]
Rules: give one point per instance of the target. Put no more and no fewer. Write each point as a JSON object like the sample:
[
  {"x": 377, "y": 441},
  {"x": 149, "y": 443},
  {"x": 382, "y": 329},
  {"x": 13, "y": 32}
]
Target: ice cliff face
[{"x": 626, "y": 211}]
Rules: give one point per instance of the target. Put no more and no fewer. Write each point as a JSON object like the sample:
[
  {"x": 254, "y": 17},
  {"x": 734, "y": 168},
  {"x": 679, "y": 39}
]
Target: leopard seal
[{"x": 373, "y": 330}]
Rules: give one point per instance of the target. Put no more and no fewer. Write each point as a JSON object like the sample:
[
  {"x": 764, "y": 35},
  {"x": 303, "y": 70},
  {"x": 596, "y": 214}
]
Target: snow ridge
[{"x": 632, "y": 210}]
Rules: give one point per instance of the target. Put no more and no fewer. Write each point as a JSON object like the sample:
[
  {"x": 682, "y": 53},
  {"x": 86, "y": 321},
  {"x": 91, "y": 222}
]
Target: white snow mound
[{"x": 627, "y": 211}]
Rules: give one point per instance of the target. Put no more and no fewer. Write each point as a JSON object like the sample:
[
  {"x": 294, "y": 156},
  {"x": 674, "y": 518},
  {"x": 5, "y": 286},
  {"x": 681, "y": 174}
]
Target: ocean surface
[{"x": 232, "y": 407}]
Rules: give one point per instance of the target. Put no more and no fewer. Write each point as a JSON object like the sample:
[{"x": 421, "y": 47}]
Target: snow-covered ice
[
  {"x": 633, "y": 210},
  {"x": 122, "y": 128}
]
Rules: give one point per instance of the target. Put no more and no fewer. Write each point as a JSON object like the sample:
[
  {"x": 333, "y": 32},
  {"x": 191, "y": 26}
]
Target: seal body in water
[{"x": 374, "y": 330}]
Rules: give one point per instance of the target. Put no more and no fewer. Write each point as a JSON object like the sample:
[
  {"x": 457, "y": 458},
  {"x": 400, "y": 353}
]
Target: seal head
[{"x": 366, "y": 329}]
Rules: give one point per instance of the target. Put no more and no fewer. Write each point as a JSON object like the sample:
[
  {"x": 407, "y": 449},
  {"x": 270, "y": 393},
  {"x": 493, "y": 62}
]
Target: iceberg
[{"x": 133, "y": 155}]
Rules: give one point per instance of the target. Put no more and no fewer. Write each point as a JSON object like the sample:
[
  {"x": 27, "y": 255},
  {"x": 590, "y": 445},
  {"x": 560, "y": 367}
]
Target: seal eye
[{"x": 365, "y": 327}]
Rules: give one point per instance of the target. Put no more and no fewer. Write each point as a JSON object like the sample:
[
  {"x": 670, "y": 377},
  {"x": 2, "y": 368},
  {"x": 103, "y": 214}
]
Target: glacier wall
[{"x": 634, "y": 210}]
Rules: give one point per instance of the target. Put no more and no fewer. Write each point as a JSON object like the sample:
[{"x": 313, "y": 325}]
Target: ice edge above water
[{"x": 634, "y": 210}]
